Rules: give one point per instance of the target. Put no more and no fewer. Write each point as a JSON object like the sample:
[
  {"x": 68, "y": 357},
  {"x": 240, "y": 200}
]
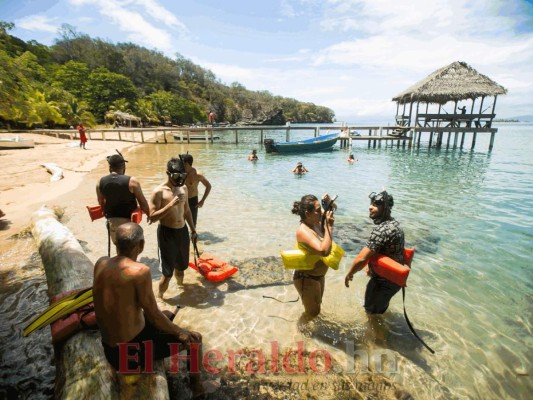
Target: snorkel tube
[{"x": 328, "y": 207}]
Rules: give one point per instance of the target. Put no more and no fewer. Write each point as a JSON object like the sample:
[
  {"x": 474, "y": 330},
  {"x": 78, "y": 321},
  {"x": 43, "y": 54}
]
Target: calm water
[{"x": 469, "y": 294}]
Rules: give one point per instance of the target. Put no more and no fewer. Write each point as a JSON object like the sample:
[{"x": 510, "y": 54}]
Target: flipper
[{"x": 59, "y": 309}]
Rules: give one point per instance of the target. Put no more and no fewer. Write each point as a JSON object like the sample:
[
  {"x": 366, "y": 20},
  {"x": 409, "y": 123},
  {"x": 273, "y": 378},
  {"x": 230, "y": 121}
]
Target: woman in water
[{"x": 314, "y": 239}]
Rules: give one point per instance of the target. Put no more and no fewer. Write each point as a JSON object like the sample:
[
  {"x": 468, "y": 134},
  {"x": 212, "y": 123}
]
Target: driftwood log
[{"x": 82, "y": 371}]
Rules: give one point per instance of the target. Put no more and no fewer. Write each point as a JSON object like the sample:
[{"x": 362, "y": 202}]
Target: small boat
[
  {"x": 320, "y": 143},
  {"x": 16, "y": 143},
  {"x": 195, "y": 138}
]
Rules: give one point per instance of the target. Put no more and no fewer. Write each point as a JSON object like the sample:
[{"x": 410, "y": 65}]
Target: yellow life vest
[{"x": 301, "y": 259}]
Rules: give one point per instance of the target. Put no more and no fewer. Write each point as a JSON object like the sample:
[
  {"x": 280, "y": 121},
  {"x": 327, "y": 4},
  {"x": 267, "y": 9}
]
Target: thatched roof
[
  {"x": 123, "y": 116},
  {"x": 457, "y": 81}
]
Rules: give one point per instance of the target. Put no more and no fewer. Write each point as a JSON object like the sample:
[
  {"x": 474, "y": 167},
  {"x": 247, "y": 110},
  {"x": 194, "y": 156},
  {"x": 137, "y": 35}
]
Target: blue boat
[{"x": 319, "y": 143}]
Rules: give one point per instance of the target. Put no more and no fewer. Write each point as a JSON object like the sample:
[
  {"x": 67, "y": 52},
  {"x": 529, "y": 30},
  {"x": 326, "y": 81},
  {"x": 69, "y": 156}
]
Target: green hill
[{"x": 80, "y": 79}]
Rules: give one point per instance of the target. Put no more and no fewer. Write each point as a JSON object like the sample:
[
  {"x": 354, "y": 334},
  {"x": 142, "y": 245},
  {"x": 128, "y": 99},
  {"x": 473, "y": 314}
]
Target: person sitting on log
[{"x": 134, "y": 331}]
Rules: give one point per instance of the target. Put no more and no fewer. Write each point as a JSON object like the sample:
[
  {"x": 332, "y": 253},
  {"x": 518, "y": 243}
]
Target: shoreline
[{"x": 25, "y": 185}]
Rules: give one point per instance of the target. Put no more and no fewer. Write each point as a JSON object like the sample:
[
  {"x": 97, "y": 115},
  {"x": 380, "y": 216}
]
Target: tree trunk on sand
[{"x": 82, "y": 371}]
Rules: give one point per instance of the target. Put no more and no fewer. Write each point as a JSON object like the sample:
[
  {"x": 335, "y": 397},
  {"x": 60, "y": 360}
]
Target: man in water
[
  {"x": 169, "y": 206},
  {"x": 127, "y": 312},
  {"x": 387, "y": 238},
  {"x": 300, "y": 169},
  {"x": 118, "y": 194},
  {"x": 194, "y": 177},
  {"x": 253, "y": 156}
]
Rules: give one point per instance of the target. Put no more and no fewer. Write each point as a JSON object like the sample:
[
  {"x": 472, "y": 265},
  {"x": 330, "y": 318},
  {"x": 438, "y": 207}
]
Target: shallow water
[{"x": 468, "y": 213}]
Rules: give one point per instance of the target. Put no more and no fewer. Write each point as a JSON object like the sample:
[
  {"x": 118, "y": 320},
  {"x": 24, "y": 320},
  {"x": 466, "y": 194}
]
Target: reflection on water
[{"x": 469, "y": 293}]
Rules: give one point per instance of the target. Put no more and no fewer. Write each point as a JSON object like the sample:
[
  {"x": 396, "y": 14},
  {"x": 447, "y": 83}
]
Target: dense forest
[{"x": 84, "y": 80}]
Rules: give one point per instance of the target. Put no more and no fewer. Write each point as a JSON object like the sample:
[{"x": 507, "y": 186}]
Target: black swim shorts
[
  {"x": 193, "y": 202},
  {"x": 174, "y": 247},
  {"x": 378, "y": 293},
  {"x": 137, "y": 353}
]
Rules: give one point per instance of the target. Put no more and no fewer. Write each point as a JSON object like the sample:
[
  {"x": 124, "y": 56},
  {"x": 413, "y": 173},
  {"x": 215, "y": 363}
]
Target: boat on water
[
  {"x": 16, "y": 143},
  {"x": 319, "y": 143},
  {"x": 195, "y": 138}
]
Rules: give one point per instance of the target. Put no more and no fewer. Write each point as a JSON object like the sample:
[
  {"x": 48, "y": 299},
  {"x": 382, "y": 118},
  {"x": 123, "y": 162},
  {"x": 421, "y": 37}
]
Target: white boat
[
  {"x": 195, "y": 138},
  {"x": 16, "y": 143}
]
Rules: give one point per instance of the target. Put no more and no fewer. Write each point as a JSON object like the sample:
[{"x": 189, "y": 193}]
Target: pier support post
[
  {"x": 473, "y": 140},
  {"x": 492, "y": 135}
]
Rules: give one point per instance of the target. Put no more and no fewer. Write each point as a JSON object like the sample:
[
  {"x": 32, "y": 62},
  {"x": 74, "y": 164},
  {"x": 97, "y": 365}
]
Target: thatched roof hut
[
  {"x": 455, "y": 82},
  {"x": 122, "y": 117}
]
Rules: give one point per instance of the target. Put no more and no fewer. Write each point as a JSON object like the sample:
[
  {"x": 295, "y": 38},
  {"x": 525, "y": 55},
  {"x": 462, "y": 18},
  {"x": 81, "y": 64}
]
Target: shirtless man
[
  {"x": 127, "y": 313},
  {"x": 253, "y": 156},
  {"x": 168, "y": 205},
  {"x": 193, "y": 179}
]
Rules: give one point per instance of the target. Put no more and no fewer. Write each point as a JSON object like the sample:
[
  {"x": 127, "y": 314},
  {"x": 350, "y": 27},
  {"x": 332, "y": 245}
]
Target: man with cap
[
  {"x": 119, "y": 194},
  {"x": 387, "y": 238}
]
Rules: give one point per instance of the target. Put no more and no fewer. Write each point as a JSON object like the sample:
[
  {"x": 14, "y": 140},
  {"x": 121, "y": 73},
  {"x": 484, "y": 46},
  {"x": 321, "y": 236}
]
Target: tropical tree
[
  {"x": 73, "y": 77},
  {"x": 42, "y": 111},
  {"x": 105, "y": 87}
]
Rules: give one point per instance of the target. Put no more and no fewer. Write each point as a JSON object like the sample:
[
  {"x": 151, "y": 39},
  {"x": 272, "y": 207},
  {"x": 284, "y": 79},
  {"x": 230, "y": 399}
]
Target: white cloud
[
  {"x": 130, "y": 17},
  {"x": 37, "y": 23}
]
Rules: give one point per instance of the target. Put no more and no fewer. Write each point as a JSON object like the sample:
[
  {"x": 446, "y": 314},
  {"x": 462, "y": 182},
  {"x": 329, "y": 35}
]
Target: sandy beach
[{"x": 25, "y": 184}]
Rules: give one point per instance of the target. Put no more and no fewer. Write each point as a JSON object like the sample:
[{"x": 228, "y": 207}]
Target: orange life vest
[
  {"x": 213, "y": 269},
  {"x": 392, "y": 270}
]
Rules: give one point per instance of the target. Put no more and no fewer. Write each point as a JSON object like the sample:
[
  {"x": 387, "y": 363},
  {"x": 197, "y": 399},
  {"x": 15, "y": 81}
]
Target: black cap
[{"x": 116, "y": 160}]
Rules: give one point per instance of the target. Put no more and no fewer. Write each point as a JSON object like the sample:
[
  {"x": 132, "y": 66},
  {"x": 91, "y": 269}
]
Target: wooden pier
[{"x": 375, "y": 135}]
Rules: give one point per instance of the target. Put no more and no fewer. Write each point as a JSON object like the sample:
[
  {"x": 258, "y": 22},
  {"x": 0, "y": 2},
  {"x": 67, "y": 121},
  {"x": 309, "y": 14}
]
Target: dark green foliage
[{"x": 82, "y": 79}]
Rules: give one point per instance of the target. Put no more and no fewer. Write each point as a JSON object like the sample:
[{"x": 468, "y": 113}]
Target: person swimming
[
  {"x": 253, "y": 156},
  {"x": 299, "y": 169}
]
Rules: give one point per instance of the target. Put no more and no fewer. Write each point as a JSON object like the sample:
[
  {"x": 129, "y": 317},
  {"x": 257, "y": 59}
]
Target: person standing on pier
[
  {"x": 119, "y": 194},
  {"x": 169, "y": 206},
  {"x": 211, "y": 118},
  {"x": 194, "y": 177}
]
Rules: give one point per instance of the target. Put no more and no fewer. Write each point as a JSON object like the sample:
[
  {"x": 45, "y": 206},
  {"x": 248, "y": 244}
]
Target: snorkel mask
[
  {"x": 385, "y": 200},
  {"x": 176, "y": 173}
]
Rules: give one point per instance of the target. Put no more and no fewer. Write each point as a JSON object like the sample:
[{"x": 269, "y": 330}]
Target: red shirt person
[{"x": 83, "y": 136}]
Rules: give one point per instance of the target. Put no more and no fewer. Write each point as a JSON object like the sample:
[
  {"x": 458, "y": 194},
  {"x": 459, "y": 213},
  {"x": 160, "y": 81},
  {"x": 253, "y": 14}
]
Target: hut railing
[{"x": 455, "y": 120}]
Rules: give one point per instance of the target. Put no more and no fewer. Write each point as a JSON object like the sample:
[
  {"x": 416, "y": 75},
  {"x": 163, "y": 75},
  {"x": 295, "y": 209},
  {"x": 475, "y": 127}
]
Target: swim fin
[{"x": 62, "y": 307}]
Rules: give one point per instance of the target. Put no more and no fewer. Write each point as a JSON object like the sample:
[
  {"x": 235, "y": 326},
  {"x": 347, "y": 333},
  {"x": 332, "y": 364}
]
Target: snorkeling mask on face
[
  {"x": 382, "y": 199},
  {"x": 177, "y": 178},
  {"x": 177, "y": 174}
]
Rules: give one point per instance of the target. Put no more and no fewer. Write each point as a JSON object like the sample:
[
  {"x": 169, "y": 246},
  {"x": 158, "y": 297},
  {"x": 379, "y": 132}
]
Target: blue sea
[{"x": 468, "y": 212}]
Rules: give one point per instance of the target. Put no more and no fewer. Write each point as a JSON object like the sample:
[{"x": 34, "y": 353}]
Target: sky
[{"x": 352, "y": 56}]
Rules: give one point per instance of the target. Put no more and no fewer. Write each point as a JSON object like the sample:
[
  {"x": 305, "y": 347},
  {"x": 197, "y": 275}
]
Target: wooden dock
[{"x": 374, "y": 135}]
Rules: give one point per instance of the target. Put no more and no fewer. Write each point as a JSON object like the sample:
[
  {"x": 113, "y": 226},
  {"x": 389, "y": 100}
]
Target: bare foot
[{"x": 179, "y": 275}]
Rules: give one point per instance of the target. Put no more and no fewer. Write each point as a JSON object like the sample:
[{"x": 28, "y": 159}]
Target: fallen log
[{"x": 82, "y": 371}]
